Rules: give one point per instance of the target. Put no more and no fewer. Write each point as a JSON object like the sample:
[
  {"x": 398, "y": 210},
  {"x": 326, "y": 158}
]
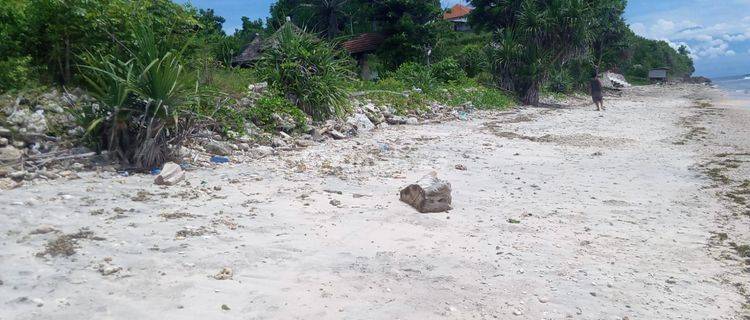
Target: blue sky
[{"x": 716, "y": 31}]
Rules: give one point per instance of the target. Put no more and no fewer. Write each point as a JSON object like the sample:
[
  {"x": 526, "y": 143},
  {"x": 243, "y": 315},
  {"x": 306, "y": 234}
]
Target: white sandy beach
[{"x": 561, "y": 213}]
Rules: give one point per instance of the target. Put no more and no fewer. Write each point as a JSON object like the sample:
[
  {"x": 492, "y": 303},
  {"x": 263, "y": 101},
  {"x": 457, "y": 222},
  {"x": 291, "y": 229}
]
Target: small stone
[
  {"x": 225, "y": 307},
  {"x": 218, "y": 148},
  {"x": 9, "y": 155},
  {"x": 336, "y": 135},
  {"x": 361, "y": 122},
  {"x": 43, "y": 229},
  {"x": 224, "y": 274},
  {"x": 518, "y": 312},
  {"x": 17, "y": 175},
  {"x": 335, "y": 203},
  {"x": 3, "y": 142},
  {"x": 461, "y": 167},
  {"x": 412, "y": 121},
  {"x": 77, "y": 166},
  {"x": 543, "y": 299}
]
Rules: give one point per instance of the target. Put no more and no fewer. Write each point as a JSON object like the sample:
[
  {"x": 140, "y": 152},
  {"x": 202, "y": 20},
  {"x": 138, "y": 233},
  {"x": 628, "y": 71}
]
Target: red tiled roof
[
  {"x": 457, "y": 11},
  {"x": 365, "y": 42}
]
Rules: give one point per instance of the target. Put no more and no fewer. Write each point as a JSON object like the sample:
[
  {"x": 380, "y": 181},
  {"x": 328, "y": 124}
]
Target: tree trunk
[
  {"x": 333, "y": 26},
  {"x": 531, "y": 96},
  {"x": 66, "y": 72}
]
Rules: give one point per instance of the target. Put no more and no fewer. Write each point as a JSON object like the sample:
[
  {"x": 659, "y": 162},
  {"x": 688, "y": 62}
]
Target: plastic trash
[
  {"x": 219, "y": 159},
  {"x": 155, "y": 171}
]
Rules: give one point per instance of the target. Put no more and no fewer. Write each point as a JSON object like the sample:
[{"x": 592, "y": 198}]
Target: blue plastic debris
[
  {"x": 155, "y": 171},
  {"x": 219, "y": 159}
]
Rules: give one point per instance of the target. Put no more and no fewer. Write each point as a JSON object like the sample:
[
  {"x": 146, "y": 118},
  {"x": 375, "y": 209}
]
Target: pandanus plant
[
  {"x": 531, "y": 38},
  {"x": 140, "y": 101}
]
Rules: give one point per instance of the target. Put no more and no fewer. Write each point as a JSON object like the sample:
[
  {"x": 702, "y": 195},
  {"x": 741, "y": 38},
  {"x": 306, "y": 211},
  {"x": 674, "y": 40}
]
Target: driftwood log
[
  {"x": 170, "y": 175},
  {"x": 429, "y": 194}
]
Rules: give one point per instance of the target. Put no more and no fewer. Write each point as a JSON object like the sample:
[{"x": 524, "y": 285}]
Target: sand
[{"x": 560, "y": 213}]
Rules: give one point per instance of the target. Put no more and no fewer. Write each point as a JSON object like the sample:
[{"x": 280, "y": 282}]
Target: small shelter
[
  {"x": 658, "y": 75},
  {"x": 250, "y": 53},
  {"x": 362, "y": 45},
  {"x": 458, "y": 15}
]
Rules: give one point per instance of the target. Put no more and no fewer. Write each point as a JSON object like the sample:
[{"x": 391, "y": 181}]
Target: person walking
[{"x": 596, "y": 92}]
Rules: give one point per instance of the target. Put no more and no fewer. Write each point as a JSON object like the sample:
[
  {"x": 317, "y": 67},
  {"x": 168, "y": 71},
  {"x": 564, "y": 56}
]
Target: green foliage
[
  {"x": 415, "y": 75},
  {"x": 308, "y": 71},
  {"x": 560, "y": 81},
  {"x": 143, "y": 102},
  {"x": 15, "y": 73},
  {"x": 410, "y": 28},
  {"x": 532, "y": 37},
  {"x": 262, "y": 112},
  {"x": 447, "y": 70},
  {"x": 473, "y": 59},
  {"x": 403, "y": 99}
]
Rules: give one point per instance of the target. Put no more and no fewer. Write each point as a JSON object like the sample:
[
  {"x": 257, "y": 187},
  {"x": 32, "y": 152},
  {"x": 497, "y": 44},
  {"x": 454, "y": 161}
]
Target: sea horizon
[{"x": 737, "y": 86}]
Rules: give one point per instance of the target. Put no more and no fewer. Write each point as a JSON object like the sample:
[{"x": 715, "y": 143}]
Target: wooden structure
[
  {"x": 658, "y": 75},
  {"x": 458, "y": 15},
  {"x": 362, "y": 45}
]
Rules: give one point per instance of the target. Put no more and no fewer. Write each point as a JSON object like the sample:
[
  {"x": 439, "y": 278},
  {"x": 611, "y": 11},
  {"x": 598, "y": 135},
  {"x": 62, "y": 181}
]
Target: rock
[
  {"x": 224, "y": 274},
  {"x": 394, "y": 120},
  {"x": 258, "y": 87},
  {"x": 335, "y": 203},
  {"x": 34, "y": 123},
  {"x": 8, "y": 184},
  {"x": 5, "y": 132},
  {"x": 412, "y": 121},
  {"x": 336, "y": 134},
  {"x": 461, "y": 167},
  {"x": 9, "y": 155},
  {"x": 261, "y": 152},
  {"x": 429, "y": 194},
  {"x": 19, "y": 144},
  {"x": 278, "y": 143},
  {"x": 3, "y": 142},
  {"x": 218, "y": 148},
  {"x": 106, "y": 269},
  {"x": 170, "y": 175},
  {"x": 284, "y": 122},
  {"x": 361, "y": 122},
  {"x": 43, "y": 229},
  {"x": 373, "y": 113},
  {"x": 17, "y": 175}
]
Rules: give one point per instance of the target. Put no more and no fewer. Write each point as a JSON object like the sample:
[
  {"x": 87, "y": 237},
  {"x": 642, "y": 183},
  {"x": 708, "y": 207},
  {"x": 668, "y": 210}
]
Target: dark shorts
[{"x": 597, "y": 98}]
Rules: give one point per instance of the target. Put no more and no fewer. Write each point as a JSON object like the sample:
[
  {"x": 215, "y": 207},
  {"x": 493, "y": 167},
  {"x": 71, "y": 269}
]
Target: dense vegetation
[{"x": 157, "y": 68}]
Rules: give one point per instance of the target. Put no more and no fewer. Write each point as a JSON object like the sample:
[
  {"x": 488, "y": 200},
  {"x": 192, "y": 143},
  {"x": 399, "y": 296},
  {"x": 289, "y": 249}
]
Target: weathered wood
[
  {"x": 170, "y": 175},
  {"x": 429, "y": 194}
]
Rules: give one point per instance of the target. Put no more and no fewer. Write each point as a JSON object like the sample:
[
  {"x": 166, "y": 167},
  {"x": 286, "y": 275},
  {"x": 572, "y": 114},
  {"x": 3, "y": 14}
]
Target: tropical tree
[
  {"x": 330, "y": 12},
  {"x": 410, "y": 27},
  {"x": 531, "y": 37}
]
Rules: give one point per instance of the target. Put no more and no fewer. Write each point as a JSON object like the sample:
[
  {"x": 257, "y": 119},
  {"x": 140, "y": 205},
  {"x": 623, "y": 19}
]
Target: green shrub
[
  {"x": 262, "y": 112},
  {"x": 560, "y": 81},
  {"x": 307, "y": 71},
  {"x": 473, "y": 60},
  {"x": 15, "y": 73},
  {"x": 448, "y": 70},
  {"x": 143, "y": 106},
  {"x": 481, "y": 97},
  {"x": 415, "y": 75}
]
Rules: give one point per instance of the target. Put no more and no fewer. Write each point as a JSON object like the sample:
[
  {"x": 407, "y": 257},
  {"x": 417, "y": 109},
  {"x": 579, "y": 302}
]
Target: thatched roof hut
[{"x": 250, "y": 53}]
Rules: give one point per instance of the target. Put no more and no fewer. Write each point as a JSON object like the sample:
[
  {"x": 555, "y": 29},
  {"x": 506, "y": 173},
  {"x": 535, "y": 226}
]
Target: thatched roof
[
  {"x": 363, "y": 43},
  {"x": 249, "y": 53}
]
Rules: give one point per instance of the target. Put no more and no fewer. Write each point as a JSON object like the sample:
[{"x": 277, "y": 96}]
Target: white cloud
[{"x": 704, "y": 41}]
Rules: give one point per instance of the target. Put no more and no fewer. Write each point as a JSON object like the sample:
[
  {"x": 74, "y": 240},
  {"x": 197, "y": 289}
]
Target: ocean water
[{"x": 737, "y": 86}]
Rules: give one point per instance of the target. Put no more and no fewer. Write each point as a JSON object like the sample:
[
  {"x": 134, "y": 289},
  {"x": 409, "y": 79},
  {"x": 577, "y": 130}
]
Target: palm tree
[
  {"x": 329, "y": 11},
  {"x": 531, "y": 38}
]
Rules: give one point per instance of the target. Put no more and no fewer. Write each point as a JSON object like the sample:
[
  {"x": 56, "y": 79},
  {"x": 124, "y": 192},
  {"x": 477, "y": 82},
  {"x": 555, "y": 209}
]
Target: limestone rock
[
  {"x": 393, "y": 120},
  {"x": 10, "y": 155},
  {"x": 170, "y": 175},
  {"x": 429, "y": 194},
  {"x": 218, "y": 148},
  {"x": 361, "y": 122}
]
